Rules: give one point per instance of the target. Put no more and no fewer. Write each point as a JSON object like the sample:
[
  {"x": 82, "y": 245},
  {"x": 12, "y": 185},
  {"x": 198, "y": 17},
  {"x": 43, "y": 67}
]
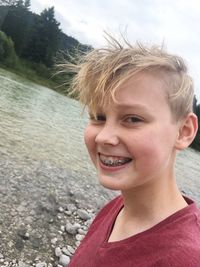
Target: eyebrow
[{"x": 132, "y": 106}]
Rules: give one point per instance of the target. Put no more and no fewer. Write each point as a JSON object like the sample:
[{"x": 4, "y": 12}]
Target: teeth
[{"x": 113, "y": 161}]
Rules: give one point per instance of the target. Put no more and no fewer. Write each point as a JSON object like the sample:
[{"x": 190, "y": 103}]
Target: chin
[{"x": 110, "y": 183}]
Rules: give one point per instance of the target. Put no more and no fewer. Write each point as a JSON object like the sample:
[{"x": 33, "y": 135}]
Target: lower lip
[{"x": 112, "y": 169}]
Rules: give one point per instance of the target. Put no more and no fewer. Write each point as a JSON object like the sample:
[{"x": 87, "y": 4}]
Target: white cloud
[{"x": 175, "y": 22}]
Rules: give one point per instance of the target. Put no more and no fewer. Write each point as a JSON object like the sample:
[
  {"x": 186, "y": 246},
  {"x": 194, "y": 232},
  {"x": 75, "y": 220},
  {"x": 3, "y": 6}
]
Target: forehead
[{"x": 141, "y": 90}]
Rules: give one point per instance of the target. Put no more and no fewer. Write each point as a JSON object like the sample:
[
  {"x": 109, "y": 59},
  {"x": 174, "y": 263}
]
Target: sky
[{"x": 176, "y": 23}]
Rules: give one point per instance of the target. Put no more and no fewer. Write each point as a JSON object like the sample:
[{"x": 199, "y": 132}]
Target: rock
[
  {"x": 64, "y": 260},
  {"x": 79, "y": 237},
  {"x": 71, "y": 207},
  {"x": 23, "y": 233},
  {"x": 83, "y": 214},
  {"x": 51, "y": 220},
  {"x": 72, "y": 228},
  {"x": 59, "y": 217},
  {"x": 36, "y": 242},
  {"x": 77, "y": 243},
  {"x": 41, "y": 264},
  {"x": 66, "y": 251},
  {"x": 1, "y": 256},
  {"x": 22, "y": 264},
  {"x": 71, "y": 249},
  {"x": 54, "y": 240},
  {"x": 82, "y": 232},
  {"x": 60, "y": 209},
  {"x": 88, "y": 222},
  {"x": 62, "y": 228},
  {"x": 19, "y": 244},
  {"x": 68, "y": 212},
  {"x": 58, "y": 252}
]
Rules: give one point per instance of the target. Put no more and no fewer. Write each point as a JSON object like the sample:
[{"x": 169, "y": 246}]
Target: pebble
[
  {"x": 79, "y": 237},
  {"x": 83, "y": 214},
  {"x": 68, "y": 212},
  {"x": 54, "y": 240},
  {"x": 82, "y": 232},
  {"x": 41, "y": 264},
  {"x": 66, "y": 251},
  {"x": 62, "y": 228},
  {"x": 77, "y": 243},
  {"x": 22, "y": 264},
  {"x": 59, "y": 217},
  {"x": 88, "y": 222},
  {"x": 71, "y": 249},
  {"x": 64, "y": 260},
  {"x": 61, "y": 209},
  {"x": 72, "y": 228},
  {"x": 58, "y": 252},
  {"x": 71, "y": 207}
]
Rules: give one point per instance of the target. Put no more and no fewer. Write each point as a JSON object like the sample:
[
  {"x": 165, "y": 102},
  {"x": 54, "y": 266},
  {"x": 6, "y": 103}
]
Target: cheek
[
  {"x": 155, "y": 149},
  {"x": 148, "y": 144}
]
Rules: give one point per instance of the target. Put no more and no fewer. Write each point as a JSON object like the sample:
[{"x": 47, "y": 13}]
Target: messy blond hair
[{"x": 101, "y": 72}]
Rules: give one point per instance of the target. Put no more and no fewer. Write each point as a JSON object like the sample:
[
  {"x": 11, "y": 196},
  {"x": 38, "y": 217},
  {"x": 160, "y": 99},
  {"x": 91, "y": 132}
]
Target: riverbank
[
  {"x": 38, "y": 74},
  {"x": 46, "y": 209}
]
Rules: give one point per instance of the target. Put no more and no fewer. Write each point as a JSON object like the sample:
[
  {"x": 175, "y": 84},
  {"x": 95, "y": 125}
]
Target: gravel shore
[{"x": 46, "y": 209}]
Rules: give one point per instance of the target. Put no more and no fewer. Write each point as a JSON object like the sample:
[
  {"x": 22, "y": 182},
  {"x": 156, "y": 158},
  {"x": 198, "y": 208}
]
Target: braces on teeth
[{"x": 113, "y": 162}]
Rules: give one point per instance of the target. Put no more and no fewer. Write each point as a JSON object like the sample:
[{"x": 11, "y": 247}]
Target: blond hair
[{"x": 102, "y": 71}]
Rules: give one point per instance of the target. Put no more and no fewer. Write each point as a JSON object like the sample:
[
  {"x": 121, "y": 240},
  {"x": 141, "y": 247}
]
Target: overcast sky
[{"x": 176, "y": 22}]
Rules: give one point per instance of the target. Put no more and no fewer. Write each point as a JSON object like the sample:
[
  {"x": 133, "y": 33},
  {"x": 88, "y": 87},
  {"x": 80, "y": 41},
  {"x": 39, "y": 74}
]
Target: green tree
[
  {"x": 16, "y": 25},
  {"x": 7, "y": 52},
  {"x": 43, "y": 40}
]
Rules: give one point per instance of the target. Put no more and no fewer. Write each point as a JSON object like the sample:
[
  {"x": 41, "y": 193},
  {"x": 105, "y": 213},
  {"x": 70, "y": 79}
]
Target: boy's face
[{"x": 132, "y": 142}]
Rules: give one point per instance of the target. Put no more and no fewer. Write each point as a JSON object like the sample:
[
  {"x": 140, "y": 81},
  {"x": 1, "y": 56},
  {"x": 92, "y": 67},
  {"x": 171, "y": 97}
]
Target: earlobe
[{"x": 187, "y": 131}]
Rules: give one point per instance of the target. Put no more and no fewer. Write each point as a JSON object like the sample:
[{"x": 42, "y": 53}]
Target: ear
[{"x": 187, "y": 131}]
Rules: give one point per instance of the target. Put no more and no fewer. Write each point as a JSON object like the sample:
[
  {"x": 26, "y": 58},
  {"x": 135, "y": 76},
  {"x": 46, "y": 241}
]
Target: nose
[{"x": 107, "y": 135}]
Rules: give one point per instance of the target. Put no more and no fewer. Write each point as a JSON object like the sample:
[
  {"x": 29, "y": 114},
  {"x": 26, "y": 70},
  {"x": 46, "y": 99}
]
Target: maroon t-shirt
[{"x": 174, "y": 242}]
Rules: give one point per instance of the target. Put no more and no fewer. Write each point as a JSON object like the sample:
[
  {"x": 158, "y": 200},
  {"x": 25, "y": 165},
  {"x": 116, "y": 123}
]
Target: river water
[
  {"x": 38, "y": 123},
  {"x": 43, "y": 161}
]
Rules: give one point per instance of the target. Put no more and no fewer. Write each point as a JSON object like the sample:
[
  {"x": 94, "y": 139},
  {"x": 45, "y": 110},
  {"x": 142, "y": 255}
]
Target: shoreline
[{"x": 47, "y": 208}]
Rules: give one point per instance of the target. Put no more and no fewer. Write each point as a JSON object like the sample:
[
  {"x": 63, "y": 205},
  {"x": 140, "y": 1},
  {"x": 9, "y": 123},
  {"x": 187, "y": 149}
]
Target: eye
[
  {"x": 97, "y": 117},
  {"x": 133, "y": 119}
]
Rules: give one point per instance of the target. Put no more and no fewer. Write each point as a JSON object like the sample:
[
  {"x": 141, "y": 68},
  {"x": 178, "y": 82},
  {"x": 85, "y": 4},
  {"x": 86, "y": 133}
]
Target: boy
[{"x": 140, "y": 105}]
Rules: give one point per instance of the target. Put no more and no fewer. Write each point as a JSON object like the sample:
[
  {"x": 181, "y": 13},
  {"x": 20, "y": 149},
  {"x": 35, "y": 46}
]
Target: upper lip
[{"x": 113, "y": 155}]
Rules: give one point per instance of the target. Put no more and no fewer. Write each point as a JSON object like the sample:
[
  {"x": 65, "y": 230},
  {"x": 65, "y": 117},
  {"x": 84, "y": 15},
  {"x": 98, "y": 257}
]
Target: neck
[
  {"x": 146, "y": 207},
  {"x": 153, "y": 203}
]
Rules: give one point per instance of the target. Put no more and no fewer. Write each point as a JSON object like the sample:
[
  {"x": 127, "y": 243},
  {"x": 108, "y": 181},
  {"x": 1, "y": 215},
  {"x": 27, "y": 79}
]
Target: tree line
[{"x": 35, "y": 39}]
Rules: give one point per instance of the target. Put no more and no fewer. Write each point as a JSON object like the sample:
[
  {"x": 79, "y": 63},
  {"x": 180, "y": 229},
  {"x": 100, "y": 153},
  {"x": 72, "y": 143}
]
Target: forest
[{"x": 31, "y": 44}]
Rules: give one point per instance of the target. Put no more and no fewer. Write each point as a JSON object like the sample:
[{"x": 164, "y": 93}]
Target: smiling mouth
[{"x": 113, "y": 161}]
